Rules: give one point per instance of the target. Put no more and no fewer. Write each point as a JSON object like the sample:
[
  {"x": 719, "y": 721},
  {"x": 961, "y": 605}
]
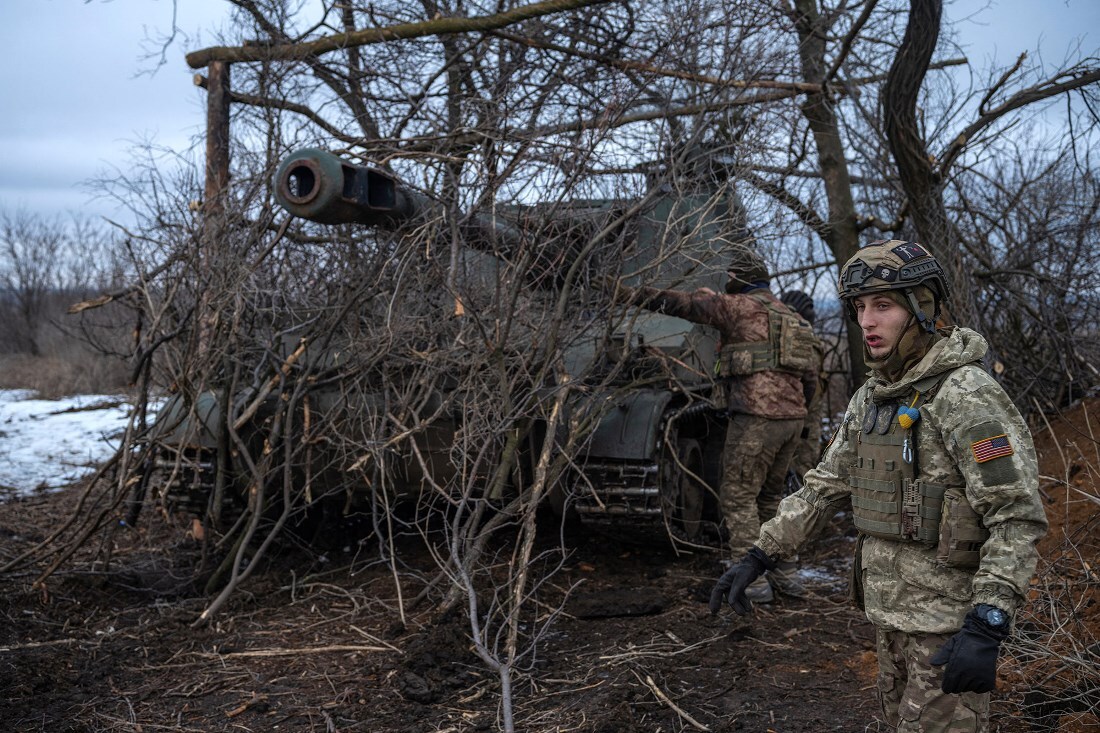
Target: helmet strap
[{"x": 928, "y": 324}]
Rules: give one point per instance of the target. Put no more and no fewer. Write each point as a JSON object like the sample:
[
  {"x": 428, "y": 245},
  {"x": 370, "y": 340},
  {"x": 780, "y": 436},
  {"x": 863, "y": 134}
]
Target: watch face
[{"x": 995, "y": 617}]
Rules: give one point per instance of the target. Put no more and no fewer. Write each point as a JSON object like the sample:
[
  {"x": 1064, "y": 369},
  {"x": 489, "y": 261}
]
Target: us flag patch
[{"x": 990, "y": 448}]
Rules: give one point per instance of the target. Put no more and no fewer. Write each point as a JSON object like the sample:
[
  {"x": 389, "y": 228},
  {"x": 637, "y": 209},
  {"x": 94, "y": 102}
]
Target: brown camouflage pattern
[
  {"x": 904, "y": 587},
  {"x": 737, "y": 318},
  {"x": 909, "y": 688},
  {"x": 754, "y": 472},
  {"x": 808, "y": 451}
]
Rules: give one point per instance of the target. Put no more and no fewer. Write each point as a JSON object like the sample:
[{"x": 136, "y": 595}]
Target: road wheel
[{"x": 683, "y": 494}]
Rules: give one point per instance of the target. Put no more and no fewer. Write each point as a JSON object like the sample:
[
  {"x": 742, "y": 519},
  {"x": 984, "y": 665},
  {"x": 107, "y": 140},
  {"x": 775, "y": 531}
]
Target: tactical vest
[
  {"x": 890, "y": 501},
  {"x": 789, "y": 347}
]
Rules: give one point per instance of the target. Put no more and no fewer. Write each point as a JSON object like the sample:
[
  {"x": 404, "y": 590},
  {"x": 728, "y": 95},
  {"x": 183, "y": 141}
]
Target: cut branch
[
  {"x": 282, "y": 652},
  {"x": 367, "y": 36}
]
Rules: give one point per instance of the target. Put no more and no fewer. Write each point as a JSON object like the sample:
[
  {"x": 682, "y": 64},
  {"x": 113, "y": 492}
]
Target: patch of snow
[
  {"x": 48, "y": 444},
  {"x": 818, "y": 574}
]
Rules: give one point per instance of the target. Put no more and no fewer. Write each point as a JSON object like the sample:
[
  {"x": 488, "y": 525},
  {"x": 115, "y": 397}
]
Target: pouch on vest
[
  {"x": 790, "y": 346},
  {"x": 734, "y": 362},
  {"x": 889, "y": 500},
  {"x": 962, "y": 533},
  {"x": 796, "y": 344}
]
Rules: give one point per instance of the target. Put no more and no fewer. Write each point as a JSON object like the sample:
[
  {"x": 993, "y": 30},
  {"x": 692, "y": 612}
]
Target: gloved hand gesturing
[
  {"x": 733, "y": 582},
  {"x": 971, "y": 656}
]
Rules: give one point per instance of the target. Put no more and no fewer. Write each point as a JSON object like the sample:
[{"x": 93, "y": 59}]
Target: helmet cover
[{"x": 893, "y": 264}]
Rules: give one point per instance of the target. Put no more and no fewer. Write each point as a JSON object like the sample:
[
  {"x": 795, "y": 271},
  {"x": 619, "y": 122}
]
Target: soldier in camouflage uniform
[
  {"x": 765, "y": 390},
  {"x": 942, "y": 476},
  {"x": 808, "y": 452}
]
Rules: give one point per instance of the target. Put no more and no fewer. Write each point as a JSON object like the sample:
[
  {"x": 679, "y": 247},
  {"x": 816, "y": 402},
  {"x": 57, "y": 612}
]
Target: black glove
[
  {"x": 971, "y": 656},
  {"x": 734, "y": 581}
]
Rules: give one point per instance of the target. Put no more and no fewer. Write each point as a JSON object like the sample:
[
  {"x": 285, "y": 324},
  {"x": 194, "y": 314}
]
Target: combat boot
[
  {"x": 760, "y": 591},
  {"x": 783, "y": 579}
]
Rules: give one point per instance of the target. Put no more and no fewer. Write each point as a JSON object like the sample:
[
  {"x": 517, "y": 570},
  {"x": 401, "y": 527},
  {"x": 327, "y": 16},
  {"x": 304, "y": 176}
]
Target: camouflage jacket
[
  {"x": 809, "y": 449},
  {"x": 737, "y": 318},
  {"x": 815, "y": 409},
  {"x": 904, "y": 587}
]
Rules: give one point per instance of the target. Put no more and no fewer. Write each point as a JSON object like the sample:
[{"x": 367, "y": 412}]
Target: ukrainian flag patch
[{"x": 996, "y": 447}]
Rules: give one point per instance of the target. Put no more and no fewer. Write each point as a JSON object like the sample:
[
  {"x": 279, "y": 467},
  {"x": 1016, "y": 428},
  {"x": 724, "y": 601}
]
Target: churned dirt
[{"x": 313, "y": 641}]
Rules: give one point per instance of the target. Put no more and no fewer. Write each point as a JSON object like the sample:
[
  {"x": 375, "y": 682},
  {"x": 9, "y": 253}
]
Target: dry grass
[{"x": 54, "y": 376}]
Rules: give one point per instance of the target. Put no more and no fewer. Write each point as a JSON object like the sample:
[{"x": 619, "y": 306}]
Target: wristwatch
[{"x": 992, "y": 615}]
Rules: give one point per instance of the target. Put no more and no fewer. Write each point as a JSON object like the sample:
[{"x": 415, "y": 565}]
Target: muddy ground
[{"x": 314, "y": 642}]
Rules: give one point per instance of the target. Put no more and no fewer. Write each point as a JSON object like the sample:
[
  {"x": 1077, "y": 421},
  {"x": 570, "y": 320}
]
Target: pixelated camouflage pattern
[
  {"x": 737, "y": 318},
  {"x": 909, "y": 688},
  {"x": 754, "y": 471},
  {"x": 904, "y": 587}
]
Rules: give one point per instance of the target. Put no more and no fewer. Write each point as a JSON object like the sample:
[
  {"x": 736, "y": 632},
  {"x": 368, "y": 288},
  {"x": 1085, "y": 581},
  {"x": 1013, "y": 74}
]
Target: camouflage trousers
[
  {"x": 754, "y": 471},
  {"x": 909, "y": 688}
]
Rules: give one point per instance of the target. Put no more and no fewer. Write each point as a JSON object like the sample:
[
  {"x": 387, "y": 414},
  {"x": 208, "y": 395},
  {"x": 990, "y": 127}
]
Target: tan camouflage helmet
[
  {"x": 747, "y": 266},
  {"x": 894, "y": 265}
]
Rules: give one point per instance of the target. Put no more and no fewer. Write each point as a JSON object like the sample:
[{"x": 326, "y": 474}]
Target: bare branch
[
  {"x": 1081, "y": 77},
  {"x": 254, "y": 100},
  {"x": 849, "y": 40},
  {"x": 367, "y": 36},
  {"x": 802, "y": 210}
]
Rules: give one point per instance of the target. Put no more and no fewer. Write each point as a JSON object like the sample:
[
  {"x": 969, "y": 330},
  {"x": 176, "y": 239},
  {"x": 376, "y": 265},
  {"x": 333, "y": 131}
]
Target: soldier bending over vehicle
[{"x": 766, "y": 365}]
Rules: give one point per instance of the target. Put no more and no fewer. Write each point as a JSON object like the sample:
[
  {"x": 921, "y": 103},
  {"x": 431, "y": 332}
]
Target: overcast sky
[{"x": 78, "y": 93}]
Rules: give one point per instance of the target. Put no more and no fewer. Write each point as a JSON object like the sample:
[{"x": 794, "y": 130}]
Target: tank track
[
  {"x": 624, "y": 498},
  {"x": 621, "y": 495},
  {"x": 185, "y": 481}
]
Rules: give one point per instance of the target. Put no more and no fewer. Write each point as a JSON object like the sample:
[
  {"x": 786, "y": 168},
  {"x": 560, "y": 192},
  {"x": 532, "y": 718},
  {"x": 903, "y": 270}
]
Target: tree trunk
[
  {"x": 842, "y": 232},
  {"x": 919, "y": 179}
]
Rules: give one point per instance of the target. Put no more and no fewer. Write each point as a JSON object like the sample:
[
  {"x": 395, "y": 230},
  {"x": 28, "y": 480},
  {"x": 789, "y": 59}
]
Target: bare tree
[
  {"x": 32, "y": 250},
  {"x": 45, "y": 264}
]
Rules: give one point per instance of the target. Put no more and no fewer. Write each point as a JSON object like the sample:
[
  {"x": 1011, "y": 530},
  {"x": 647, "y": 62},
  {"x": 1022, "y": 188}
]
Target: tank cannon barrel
[{"x": 319, "y": 186}]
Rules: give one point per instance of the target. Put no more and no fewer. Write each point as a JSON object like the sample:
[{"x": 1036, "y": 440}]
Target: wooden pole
[
  {"x": 217, "y": 140},
  {"x": 212, "y": 239}
]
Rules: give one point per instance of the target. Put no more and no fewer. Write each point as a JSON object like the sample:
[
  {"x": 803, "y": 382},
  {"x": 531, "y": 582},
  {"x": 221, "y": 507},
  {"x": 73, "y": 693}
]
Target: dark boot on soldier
[
  {"x": 784, "y": 579},
  {"x": 760, "y": 591}
]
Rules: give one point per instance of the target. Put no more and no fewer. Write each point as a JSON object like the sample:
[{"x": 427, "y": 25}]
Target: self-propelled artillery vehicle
[{"x": 651, "y": 463}]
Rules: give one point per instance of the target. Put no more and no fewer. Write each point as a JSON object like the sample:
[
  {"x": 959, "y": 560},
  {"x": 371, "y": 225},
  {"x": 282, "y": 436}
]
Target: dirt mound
[{"x": 1055, "y": 655}]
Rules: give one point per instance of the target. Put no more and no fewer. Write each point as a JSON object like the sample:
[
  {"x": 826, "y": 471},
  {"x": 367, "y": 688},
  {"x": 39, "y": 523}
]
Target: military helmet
[
  {"x": 746, "y": 265},
  {"x": 800, "y": 303},
  {"x": 893, "y": 264}
]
